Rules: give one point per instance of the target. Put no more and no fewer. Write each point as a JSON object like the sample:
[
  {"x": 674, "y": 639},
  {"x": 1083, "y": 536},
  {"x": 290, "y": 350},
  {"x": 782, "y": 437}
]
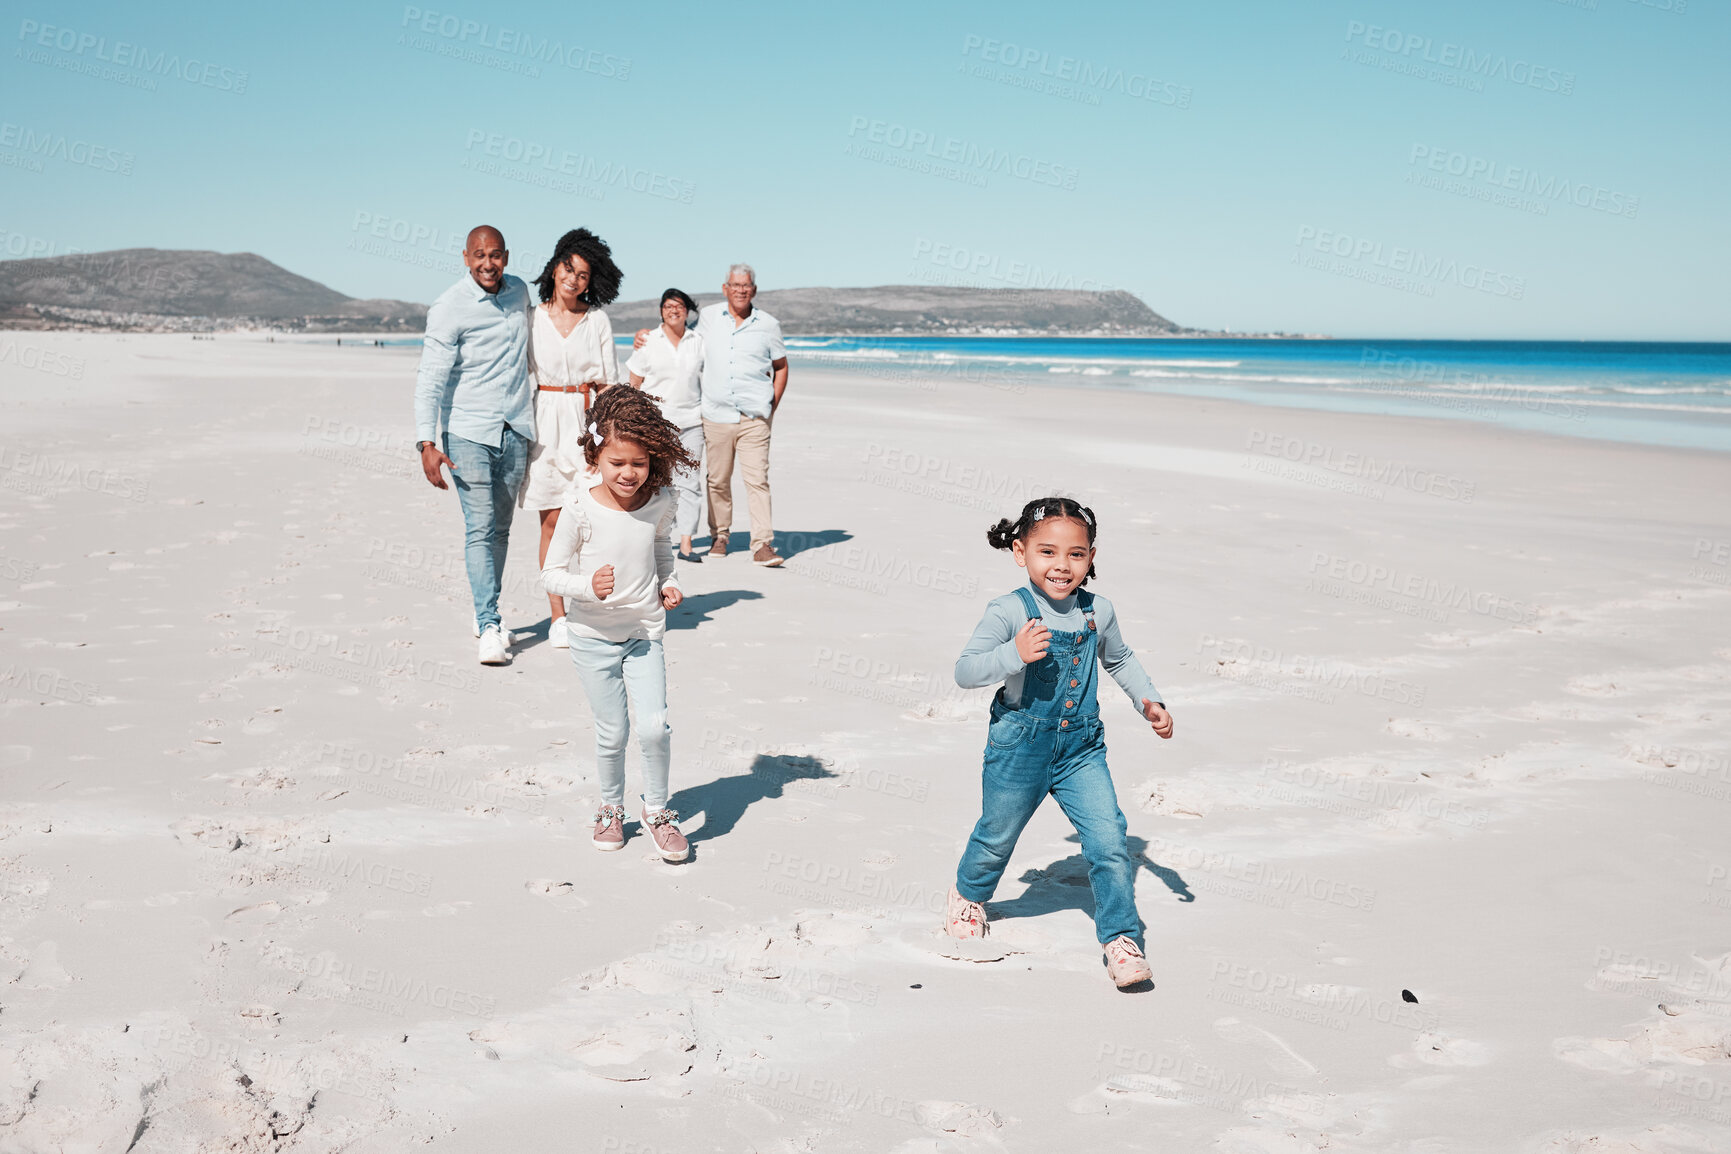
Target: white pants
[
  {"x": 621, "y": 676},
  {"x": 688, "y": 483}
]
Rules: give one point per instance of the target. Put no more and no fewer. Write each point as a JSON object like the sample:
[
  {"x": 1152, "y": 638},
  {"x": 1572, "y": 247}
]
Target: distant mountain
[
  {"x": 158, "y": 288},
  {"x": 935, "y": 310}
]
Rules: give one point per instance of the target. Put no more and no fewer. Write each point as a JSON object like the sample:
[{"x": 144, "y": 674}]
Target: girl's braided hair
[
  {"x": 604, "y": 275},
  {"x": 1006, "y": 532},
  {"x": 629, "y": 414}
]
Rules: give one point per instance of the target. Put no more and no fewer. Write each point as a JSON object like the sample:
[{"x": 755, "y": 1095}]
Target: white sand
[{"x": 285, "y": 870}]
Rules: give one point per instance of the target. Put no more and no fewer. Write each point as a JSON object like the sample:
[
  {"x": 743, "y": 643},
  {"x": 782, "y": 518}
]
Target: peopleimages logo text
[
  {"x": 124, "y": 54},
  {"x": 515, "y": 42},
  {"x": 967, "y": 154},
  {"x": 1411, "y": 262},
  {"x": 1447, "y": 54},
  {"x": 1074, "y": 70}
]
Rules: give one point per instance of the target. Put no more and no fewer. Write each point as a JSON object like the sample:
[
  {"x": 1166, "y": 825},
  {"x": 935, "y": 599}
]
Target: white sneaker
[
  {"x": 494, "y": 649},
  {"x": 557, "y": 637}
]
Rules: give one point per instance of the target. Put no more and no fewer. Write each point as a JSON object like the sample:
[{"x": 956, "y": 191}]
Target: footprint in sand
[
  {"x": 1442, "y": 1050},
  {"x": 1282, "y": 1058},
  {"x": 44, "y": 971},
  {"x": 562, "y": 892}
]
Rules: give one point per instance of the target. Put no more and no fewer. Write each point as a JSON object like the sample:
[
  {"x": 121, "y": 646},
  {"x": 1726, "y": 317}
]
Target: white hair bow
[{"x": 594, "y": 433}]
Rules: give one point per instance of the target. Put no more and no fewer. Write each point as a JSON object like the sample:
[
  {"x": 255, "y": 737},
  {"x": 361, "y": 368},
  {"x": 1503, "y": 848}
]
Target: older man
[
  {"x": 744, "y": 377},
  {"x": 474, "y": 382}
]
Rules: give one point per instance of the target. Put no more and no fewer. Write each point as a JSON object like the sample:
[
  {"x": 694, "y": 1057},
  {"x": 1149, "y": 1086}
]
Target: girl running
[
  {"x": 1043, "y": 642},
  {"x": 611, "y": 556}
]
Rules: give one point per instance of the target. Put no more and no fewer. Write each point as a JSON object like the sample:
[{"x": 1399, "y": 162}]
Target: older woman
[
  {"x": 669, "y": 367},
  {"x": 571, "y": 353}
]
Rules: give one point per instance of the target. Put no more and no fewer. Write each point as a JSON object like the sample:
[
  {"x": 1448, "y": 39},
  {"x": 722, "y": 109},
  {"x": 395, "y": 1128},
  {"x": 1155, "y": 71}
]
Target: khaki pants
[{"x": 749, "y": 439}]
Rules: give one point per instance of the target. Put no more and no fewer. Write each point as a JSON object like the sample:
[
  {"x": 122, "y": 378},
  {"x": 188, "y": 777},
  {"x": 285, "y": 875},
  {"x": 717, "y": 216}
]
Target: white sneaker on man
[
  {"x": 495, "y": 650},
  {"x": 557, "y": 636}
]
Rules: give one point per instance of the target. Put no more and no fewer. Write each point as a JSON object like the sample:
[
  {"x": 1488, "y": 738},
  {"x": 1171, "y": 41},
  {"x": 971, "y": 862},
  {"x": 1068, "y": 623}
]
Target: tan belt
[{"x": 582, "y": 388}]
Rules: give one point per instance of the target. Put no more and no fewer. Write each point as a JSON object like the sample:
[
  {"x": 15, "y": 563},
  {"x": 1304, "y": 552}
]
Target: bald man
[{"x": 475, "y": 415}]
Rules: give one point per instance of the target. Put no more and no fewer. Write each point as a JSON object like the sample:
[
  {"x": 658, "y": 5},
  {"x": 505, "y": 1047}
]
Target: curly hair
[
  {"x": 604, "y": 276},
  {"x": 1006, "y": 532},
  {"x": 627, "y": 414}
]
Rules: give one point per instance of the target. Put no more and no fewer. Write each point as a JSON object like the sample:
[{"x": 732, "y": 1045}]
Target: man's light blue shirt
[
  {"x": 474, "y": 374},
  {"x": 738, "y": 377}
]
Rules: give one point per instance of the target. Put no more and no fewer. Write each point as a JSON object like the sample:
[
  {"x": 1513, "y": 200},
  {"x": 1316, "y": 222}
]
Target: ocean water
[{"x": 1648, "y": 393}]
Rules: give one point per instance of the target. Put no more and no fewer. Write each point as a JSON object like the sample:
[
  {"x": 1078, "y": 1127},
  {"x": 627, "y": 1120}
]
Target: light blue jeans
[
  {"x": 487, "y": 480},
  {"x": 615, "y": 673}
]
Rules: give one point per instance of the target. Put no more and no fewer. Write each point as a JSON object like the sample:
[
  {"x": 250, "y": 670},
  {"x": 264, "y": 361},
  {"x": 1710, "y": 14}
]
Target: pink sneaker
[
  {"x": 663, "y": 826},
  {"x": 963, "y": 918},
  {"x": 609, "y": 828},
  {"x": 1125, "y": 964}
]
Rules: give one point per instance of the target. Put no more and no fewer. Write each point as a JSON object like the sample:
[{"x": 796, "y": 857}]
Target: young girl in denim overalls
[{"x": 1045, "y": 735}]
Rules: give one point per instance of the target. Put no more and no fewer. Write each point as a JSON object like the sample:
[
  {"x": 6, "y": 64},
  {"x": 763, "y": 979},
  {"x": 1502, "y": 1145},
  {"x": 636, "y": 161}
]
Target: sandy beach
[{"x": 1436, "y": 861}]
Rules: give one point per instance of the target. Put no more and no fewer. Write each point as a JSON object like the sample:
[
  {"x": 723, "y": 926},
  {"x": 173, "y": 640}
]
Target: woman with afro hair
[{"x": 571, "y": 355}]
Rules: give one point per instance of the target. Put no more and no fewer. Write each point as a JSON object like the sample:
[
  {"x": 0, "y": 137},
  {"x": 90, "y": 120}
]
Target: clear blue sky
[{"x": 1254, "y": 165}]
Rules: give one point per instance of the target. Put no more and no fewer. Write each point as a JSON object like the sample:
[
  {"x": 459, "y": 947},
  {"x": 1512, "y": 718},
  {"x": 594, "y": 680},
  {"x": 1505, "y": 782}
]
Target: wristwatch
[{"x": 421, "y": 446}]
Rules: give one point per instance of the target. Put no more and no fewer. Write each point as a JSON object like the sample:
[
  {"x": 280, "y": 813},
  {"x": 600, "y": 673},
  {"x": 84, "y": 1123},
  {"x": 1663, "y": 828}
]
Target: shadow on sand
[
  {"x": 787, "y": 544},
  {"x": 724, "y": 801},
  {"x": 1063, "y": 885},
  {"x": 695, "y": 609}
]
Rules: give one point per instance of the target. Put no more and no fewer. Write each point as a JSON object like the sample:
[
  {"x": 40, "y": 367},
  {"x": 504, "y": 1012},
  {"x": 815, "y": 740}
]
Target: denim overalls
[{"x": 1053, "y": 742}]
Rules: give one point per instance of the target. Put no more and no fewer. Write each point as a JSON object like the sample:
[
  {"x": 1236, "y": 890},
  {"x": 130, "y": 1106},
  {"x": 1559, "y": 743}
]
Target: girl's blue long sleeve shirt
[{"x": 990, "y": 655}]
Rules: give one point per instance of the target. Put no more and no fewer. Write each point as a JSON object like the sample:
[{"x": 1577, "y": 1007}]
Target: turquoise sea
[{"x": 1650, "y": 393}]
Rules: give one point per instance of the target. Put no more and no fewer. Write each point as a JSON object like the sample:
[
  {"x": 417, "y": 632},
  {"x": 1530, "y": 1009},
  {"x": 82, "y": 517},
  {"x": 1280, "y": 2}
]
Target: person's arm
[
  {"x": 777, "y": 365},
  {"x": 560, "y": 572},
  {"x": 665, "y": 573},
  {"x": 609, "y": 353},
  {"x": 990, "y": 654},
  {"x": 778, "y": 382},
  {"x": 432, "y": 379},
  {"x": 637, "y": 367},
  {"x": 1120, "y": 662}
]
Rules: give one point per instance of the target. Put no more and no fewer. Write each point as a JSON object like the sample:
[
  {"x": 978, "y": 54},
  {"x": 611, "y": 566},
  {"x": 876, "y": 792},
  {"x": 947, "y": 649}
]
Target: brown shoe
[
  {"x": 718, "y": 548},
  {"x": 663, "y": 827},
  {"x": 609, "y": 832},
  {"x": 766, "y": 555}
]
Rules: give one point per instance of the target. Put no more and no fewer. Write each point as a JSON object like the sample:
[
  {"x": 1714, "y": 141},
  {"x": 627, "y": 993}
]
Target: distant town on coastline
[{"x": 162, "y": 290}]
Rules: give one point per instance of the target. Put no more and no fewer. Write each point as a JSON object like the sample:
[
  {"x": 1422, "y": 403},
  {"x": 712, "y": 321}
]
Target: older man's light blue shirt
[
  {"x": 474, "y": 374},
  {"x": 738, "y": 375}
]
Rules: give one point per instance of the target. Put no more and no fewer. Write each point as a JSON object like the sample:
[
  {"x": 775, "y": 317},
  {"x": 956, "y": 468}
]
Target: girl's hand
[
  {"x": 1032, "y": 640},
  {"x": 1157, "y": 717},
  {"x": 671, "y": 597},
  {"x": 603, "y": 582}
]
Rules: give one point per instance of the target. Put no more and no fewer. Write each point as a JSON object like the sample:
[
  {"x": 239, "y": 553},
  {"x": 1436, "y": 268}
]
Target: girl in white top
[
  {"x": 612, "y": 556},
  {"x": 571, "y": 353},
  {"x": 669, "y": 367}
]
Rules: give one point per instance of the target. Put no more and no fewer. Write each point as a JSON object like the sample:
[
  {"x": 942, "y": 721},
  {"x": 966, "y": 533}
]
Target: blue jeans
[
  {"x": 1026, "y": 759},
  {"x": 614, "y": 674},
  {"x": 487, "y": 481}
]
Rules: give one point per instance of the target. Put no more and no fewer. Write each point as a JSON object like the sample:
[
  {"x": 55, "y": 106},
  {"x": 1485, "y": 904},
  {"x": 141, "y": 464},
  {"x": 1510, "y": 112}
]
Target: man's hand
[
  {"x": 638, "y": 341},
  {"x": 1032, "y": 640},
  {"x": 671, "y": 597},
  {"x": 1157, "y": 717},
  {"x": 431, "y": 459},
  {"x": 603, "y": 582}
]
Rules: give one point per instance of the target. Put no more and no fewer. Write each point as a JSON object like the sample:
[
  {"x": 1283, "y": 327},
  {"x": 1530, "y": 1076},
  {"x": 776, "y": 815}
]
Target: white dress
[{"x": 555, "y": 459}]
